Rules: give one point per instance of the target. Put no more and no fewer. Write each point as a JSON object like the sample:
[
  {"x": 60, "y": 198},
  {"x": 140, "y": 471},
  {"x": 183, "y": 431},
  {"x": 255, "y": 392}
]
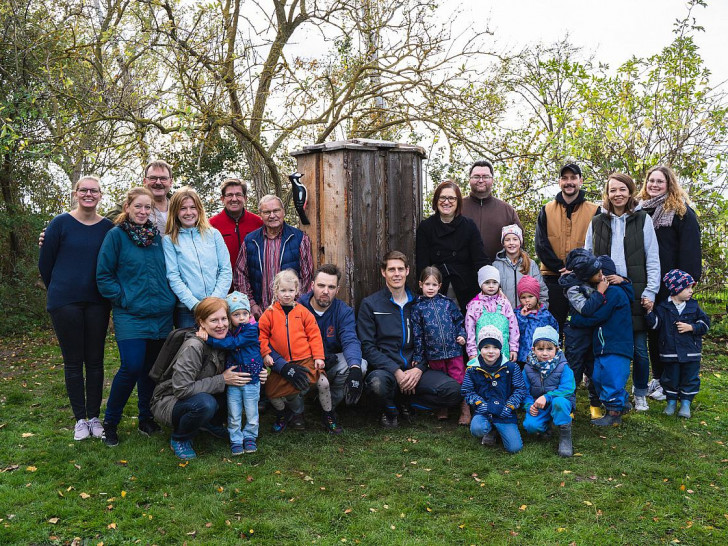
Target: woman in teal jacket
[
  {"x": 130, "y": 272},
  {"x": 197, "y": 259}
]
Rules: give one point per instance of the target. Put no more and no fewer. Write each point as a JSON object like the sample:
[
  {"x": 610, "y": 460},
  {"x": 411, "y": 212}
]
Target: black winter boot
[{"x": 566, "y": 449}]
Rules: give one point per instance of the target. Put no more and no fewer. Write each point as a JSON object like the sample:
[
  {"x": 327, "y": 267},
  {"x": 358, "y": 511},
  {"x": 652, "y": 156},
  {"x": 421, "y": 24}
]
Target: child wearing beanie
[
  {"x": 681, "y": 325},
  {"x": 513, "y": 263},
  {"x": 494, "y": 387},
  {"x": 550, "y": 386},
  {"x": 531, "y": 314},
  {"x": 244, "y": 355},
  {"x": 491, "y": 307}
]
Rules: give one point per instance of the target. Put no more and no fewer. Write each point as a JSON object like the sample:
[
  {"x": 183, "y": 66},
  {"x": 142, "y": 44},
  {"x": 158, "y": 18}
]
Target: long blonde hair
[
  {"x": 175, "y": 205},
  {"x": 285, "y": 275},
  {"x": 131, "y": 195},
  {"x": 677, "y": 198}
]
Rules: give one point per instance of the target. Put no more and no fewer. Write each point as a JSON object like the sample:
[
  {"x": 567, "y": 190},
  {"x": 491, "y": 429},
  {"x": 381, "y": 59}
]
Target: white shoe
[
  {"x": 654, "y": 390},
  {"x": 640, "y": 403},
  {"x": 81, "y": 431},
  {"x": 96, "y": 428}
]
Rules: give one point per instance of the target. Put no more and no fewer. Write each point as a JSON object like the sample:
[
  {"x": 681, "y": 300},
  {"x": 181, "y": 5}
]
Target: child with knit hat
[
  {"x": 244, "y": 355},
  {"x": 513, "y": 263},
  {"x": 550, "y": 386},
  {"x": 495, "y": 388},
  {"x": 491, "y": 300},
  {"x": 680, "y": 325},
  {"x": 531, "y": 314}
]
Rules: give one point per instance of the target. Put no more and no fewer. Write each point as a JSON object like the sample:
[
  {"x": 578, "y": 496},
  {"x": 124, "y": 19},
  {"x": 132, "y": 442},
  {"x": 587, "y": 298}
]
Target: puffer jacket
[
  {"x": 510, "y": 274},
  {"x": 436, "y": 322},
  {"x": 197, "y": 368},
  {"x": 558, "y": 382}
]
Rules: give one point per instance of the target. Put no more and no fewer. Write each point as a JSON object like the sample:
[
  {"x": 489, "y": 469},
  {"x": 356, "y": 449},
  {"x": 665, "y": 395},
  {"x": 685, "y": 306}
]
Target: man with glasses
[
  {"x": 234, "y": 222},
  {"x": 268, "y": 250},
  {"x": 489, "y": 213},
  {"x": 158, "y": 180}
]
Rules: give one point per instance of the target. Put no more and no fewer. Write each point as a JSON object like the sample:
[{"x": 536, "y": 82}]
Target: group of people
[{"x": 484, "y": 335}]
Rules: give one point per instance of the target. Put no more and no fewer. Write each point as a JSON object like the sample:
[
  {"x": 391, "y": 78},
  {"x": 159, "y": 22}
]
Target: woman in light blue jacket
[{"x": 198, "y": 262}]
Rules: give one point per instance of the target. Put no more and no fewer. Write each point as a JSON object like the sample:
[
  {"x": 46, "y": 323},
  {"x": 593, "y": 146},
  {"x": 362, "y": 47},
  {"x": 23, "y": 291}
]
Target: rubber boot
[
  {"x": 684, "y": 410},
  {"x": 488, "y": 439},
  {"x": 566, "y": 449},
  {"x": 611, "y": 419},
  {"x": 671, "y": 407},
  {"x": 465, "y": 416}
]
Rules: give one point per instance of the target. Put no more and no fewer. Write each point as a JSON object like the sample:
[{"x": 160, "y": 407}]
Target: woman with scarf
[
  {"x": 452, "y": 243},
  {"x": 678, "y": 236},
  {"x": 131, "y": 274}
]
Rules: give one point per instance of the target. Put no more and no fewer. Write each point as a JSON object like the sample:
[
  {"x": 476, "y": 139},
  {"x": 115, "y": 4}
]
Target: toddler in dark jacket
[
  {"x": 531, "y": 314},
  {"x": 438, "y": 328},
  {"x": 681, "y": 325}
]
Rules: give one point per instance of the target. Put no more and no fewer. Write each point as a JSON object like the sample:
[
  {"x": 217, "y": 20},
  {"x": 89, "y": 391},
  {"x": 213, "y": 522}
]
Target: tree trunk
[{"x": 12, "y": 207}]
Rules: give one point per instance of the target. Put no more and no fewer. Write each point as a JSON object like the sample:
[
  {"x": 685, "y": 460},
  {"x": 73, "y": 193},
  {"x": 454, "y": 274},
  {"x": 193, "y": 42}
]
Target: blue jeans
[
  {"x": 246, "y": 396},
  {"x": 610, "y": 377},
  {"x": 640, "y": 364},
  {"x": 558, "y": 411},
  {"x": 137, "y": 357},
  {"x": 183, "y": 317},
  {"x": 509, "y": 433},
  {"x": 81, "y": 331},
  {"x": 197, "y": 411}
]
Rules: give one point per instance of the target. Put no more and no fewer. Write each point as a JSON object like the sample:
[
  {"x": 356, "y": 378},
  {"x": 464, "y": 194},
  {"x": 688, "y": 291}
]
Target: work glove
[
  {"x": 298, "y": 376},
  {"x": 354, "y": 386}
]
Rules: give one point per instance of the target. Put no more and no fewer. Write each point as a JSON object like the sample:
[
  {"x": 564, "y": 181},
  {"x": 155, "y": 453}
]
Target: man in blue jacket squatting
[
  {"x": 385, "y": 331},
  {"x": 344, "y": 365}
]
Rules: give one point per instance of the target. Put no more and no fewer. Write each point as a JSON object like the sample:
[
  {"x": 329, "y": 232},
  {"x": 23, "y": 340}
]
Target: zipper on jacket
[{"x": 283, "y": 249}]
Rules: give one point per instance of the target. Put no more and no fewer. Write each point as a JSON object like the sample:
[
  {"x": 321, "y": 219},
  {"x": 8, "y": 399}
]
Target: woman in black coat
[
  {"x": 452, "y": 243},
  {"x": 678, "y": 236}
]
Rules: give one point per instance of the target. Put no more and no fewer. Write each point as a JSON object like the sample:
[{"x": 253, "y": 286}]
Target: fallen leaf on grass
[
  {"x": 567, "y": 472},
  {"x": 220, "y": 489},
  {"x": 523, "y": 507},
  {"x": 111, "y": 526},
  {"x": 347, "y": 511},
  {"x": 10, "y": 468},
  {"x": 123, "y": 494},
  {"x": 60, "y": 493},
  {"x": 84, "y": 495},
  {"x": 588, "y": 503},
  {"x": 461, "y": 526},
  {"x": 248, "y": 479},
  {"x": 184, "y": 464},
  {"x": 428, "y": 509},
  {"x": 191, "y": 533},
  {"x": 27, "y": 434},
  {"x": 682, "y": 487},
  {"x": 31, "y": 468},
  {"x": 561, "y": 529},
  {"x": 54, "y": 520},
  {"x": 208, "y": 524}
]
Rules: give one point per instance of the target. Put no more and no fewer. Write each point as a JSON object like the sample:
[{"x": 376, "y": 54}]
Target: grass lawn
[{"x": 656, "y": 479}]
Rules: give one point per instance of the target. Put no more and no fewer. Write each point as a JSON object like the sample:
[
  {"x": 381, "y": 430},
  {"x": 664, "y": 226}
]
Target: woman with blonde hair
[
  {"x": 130, "y": 273},
  {"x": 79, "y": 313},
  {"x": 197, "y": 259},
  {"x": 678, "y": 236}
]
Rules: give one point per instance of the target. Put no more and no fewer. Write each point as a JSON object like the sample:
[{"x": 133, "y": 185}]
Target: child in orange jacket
[{"x": 289, "y": 331}]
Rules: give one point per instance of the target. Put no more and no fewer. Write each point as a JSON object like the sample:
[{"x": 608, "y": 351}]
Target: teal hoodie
[{"x": 134, "y": 280}]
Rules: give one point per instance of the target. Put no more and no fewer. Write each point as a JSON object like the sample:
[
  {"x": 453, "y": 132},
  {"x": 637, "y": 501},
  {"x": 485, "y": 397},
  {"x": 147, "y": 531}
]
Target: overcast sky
[{"x": 614, "y": 30}]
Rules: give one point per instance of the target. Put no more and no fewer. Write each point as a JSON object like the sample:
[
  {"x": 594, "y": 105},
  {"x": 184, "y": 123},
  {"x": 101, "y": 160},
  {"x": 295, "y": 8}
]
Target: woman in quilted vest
[{"x": 625, "y": 233}]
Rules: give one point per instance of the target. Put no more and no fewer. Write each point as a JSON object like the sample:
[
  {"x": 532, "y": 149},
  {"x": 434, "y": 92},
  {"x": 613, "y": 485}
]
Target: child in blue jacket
[
  {"x": 496, "y": 389},
  {"x": 681, "y": 325},
  {"x": 550, "y": 385},
  {"x": 612, "y": 341},
  {"x": 531, "y": 314},
  {"x": 438, "y": 328},
  {"x": 244, "y": 355}
]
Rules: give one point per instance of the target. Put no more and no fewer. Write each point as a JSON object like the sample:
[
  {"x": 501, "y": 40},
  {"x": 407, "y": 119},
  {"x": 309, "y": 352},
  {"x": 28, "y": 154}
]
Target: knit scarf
[
  {"x": 141, "y": 235},
  {"x": 661, "y": 217},
  {"x": 545, "y": 367}
]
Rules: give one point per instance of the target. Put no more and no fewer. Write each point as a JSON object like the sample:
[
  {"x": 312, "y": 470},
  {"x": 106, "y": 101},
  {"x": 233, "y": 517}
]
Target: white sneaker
[
  {"x": 96, "y": 428},
  {"x": 81, "y": 431},
  {"x": 654, "y": 390},
  {"x": 640, "y": 403}
]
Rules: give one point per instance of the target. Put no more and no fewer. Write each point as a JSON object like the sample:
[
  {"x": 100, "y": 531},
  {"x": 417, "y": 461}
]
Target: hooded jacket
[
  {"x": 510, "y": 274},
  {"x": 436, "y": 323}
]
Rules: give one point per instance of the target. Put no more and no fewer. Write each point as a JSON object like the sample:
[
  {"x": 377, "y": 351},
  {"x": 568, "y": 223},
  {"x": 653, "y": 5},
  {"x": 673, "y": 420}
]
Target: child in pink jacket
[{"x": 489, "y": 299}]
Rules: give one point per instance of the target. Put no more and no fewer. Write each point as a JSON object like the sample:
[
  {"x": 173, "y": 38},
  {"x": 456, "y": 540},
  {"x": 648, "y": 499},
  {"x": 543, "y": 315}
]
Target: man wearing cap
[
  {"x": 561, "y": 227},
  {"x": 488, "y": 213}
]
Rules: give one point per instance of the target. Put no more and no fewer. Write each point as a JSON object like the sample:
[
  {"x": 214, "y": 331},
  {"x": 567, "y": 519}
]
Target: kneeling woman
[{"x": 191, "y": 396}]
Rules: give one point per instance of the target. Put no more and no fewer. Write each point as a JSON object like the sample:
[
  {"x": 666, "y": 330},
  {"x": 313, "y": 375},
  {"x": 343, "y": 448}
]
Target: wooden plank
[{"x": 335, "y": 221}]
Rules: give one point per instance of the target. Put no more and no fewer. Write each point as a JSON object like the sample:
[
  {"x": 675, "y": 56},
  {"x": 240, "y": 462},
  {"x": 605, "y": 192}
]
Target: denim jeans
[
  {"x": 640, "y": 364},
  {"x": 509, "y": 433},
  {"x": 183, "y": 317},
  {"x": 198, "y": 410},
  {"x": 137, "y": 357},
  {"x": 81, "y": 331},
  {"x": 245, "y": 396},
  {"x": 558, "y": 411}
]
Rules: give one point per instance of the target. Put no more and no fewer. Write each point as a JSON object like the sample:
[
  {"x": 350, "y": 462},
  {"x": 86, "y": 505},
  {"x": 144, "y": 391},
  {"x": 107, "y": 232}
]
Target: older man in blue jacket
[{"x": 385, "y": 330}]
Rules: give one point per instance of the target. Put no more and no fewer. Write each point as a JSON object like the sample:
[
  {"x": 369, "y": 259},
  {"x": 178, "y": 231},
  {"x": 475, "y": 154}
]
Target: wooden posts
[{"x": 364, "y": 199}]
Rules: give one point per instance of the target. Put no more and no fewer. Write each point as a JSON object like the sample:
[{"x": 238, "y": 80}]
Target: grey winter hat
[
  {"x": 546, "y": 333},
  {"x": 490, "y": 334},
  {"x": 486, "y": 273}
]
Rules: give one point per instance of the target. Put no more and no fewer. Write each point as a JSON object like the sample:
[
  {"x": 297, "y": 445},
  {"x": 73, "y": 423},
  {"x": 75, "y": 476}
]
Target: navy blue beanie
[{"x": 583, "y": 264}]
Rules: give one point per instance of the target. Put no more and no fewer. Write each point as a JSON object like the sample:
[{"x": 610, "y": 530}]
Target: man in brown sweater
[{"x": 488, "y": 213}]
